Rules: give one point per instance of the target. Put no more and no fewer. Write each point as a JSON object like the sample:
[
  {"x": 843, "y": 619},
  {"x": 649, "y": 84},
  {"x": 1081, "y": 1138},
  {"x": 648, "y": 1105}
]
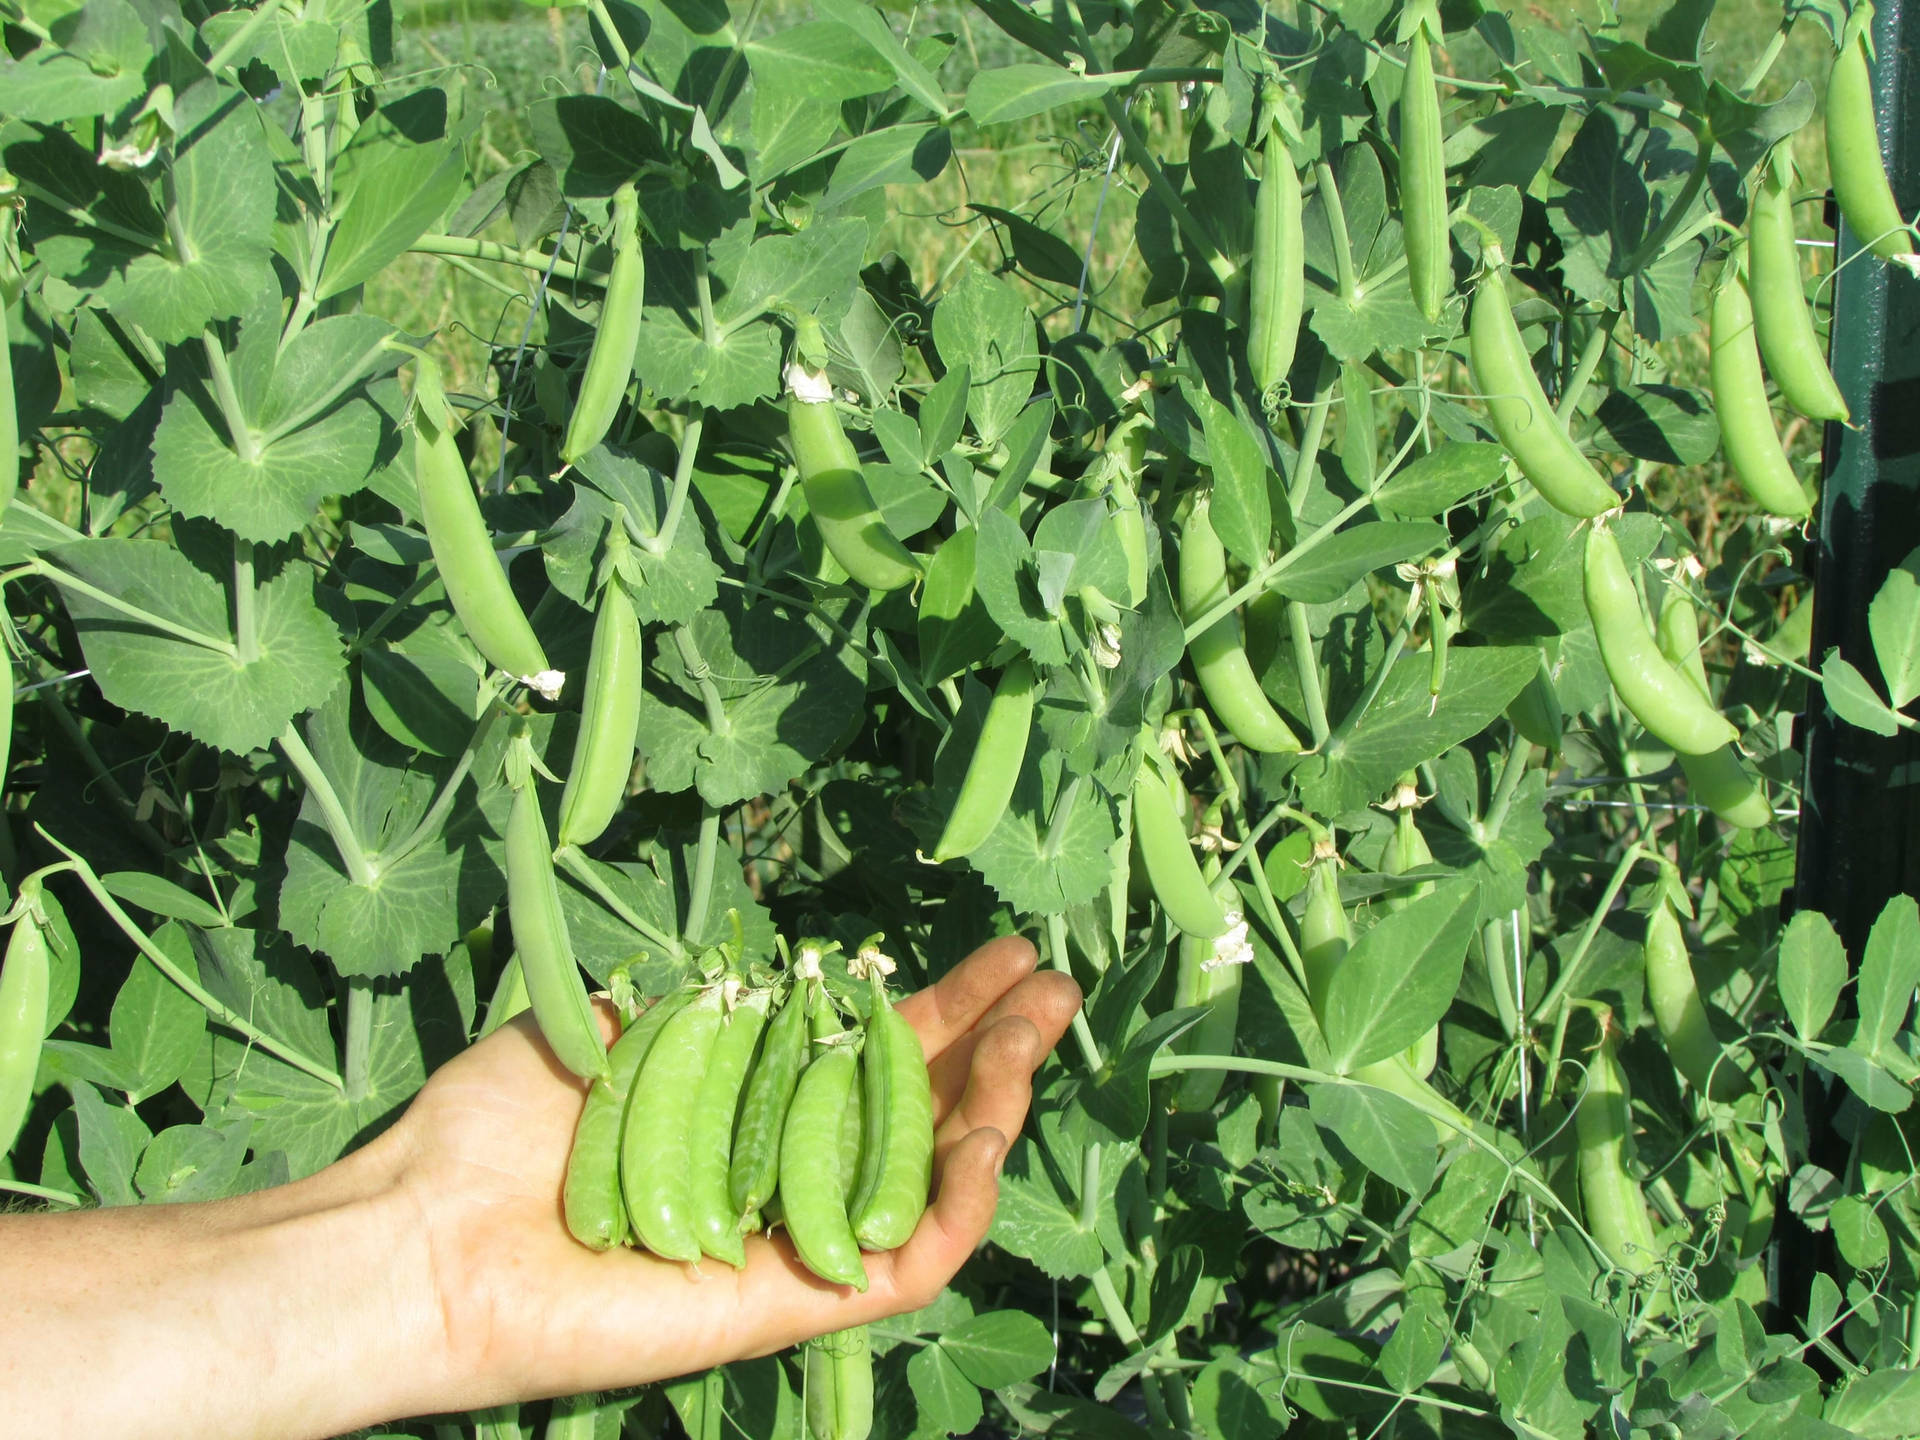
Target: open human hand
[{"x": 529, "y": 1312}]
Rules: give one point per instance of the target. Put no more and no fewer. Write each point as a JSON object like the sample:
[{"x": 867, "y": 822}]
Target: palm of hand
[{"x": 535, "y": 1313}]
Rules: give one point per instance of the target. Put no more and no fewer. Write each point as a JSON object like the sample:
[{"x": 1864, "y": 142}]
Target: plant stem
[
  {"x": 1190, "y": 225},
  {"x": 1772, "y": 53},
  {"x": 43, "y": 1192},
  {"x": 432, "y": 822},
  {"x": 1590, "y": 357},
  {"x": 333, "y": 814},
  {"x": 245, "y": 443},
  {"x": 576, "y": 271},
  {"x": 1337, "y": 223},
  {"x": 132, "y": 612},
  {"x": 1696, "y": 179},
  {"x": 1057, "y": 957},
  {"x": 359, "y": 1036},
  {"x": 702, "y": 676},
  {"x": 576, "y": 864},
  {"x": 700, "y": 889},
  {"x": 1306, "y": 664},
  {"x": 682, "y": 482},
  {"x": 1557, "y": 992},
  {"x": 246, "y": 638}
]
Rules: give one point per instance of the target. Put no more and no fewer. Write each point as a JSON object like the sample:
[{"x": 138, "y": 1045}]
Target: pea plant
[{"x": 1325, "y": 565}]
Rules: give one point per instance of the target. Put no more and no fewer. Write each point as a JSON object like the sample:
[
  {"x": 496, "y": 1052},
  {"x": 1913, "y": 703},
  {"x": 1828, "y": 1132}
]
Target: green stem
[
  {"x": 1768, "y": 55},
  {"x": 163, "y": 962},
  {"x": 1306, "y": 665},
  {"x": 1590, "y": 357},
  {"x": 333, "y": 813},
  {"x": 1505, "y": 789},
  {"x": 1557, "y": 992},
  {"x": 359, "y": 1036},
  {"x": 1337, "y": 223},
  {"x": 1190, "y": 226},
  {"x": 1107, "y": 1295},
  {"x": 1311, "y": 437},
  {"x": 700, "y": 891},
  {"x": 682, "y": 482},
  {"x": 576, "y": 864},
  {"x": 246, "y": 637},
  {"x": 508, "y": 255},
  {"x": 132, "y": 612},
  {"x": 1696, "y": 179},
  {"x": 1057, "y": 957},
  {"x": 43, "y": 1192},
  {"x": 702, "y": 676},
  {"x": 245, "y": 443},
  {"x": 1396, "y": 646},
  {"x": 435, "y": 819}
]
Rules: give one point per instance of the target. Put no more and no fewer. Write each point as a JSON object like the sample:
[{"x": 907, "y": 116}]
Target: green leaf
[
  {"x": 192, "y": 1162},
  {"x": 1853, "y": 699},
  {"x": 161, "y": 896},
  {"x": 1034, "y": 1222},
  {"x": 999, "y": 1348},
  {"x": 1859, "y": 1232},
  {"x": 1239, "y": 511},
  {"x": 1414, "y": 1350},
  {"x": 984, "y": 324},
  {"x": 820, "y": 59},
  {"x": 1894, "y": 620},
  {"x": 1399, "y": 977},
  {"x": 956, "y": 631},
  {"x": 1866, "y": 1079},
  {"x": 94, "y": 65},
  {"x": 1334, "y": 566},
  {"x": 111, "y": 1139},
  {"x": 1889, "y": 971},
  {"x": 1041, "y": 863},
  {"x": 1661, "y": 423},
  {"x": 896, "y": 155},
  {"x": 425, "y": 698},
  {"x": 391, "y": 187},
  {"x": 1005, "y": 582},
  {"x": 260, "y": 974},
  {"x": 948, "y": 1400},
  {"x": 1040, "y": 252},
  {"x": 1882, "y": 1406},
  {"x": 668, "y": 586},
  {"x": 1813, "y": 969},
  {"x": 157, "y": 1027},
  {"x": 1441, "y": 479},
  {"x": 1383, "y": 1132},
  {"x": 871, "y": 26},
  {"x": 213, "y": 696},
  {"x": 1000, "y": 93},
  {"x": 594, "y": 143}
]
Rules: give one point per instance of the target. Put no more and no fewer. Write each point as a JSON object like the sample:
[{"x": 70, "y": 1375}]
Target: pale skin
[{"x": 431, "y": 1270}]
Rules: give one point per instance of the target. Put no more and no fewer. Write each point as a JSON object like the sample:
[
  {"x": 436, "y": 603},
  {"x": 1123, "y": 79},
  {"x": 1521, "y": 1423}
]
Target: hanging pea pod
[
  {"x": 1782, "y": 321},
  {"x": 25, "y": 983},
  {"x": 475, "y": 581},
  {"x": 1616, "y": 1211},
  {"x": 609, "y": 719},
  {"x": 1747, "y": 432},
  {"x": 1423, "y": 174},
  {"x": 610, "y": 362},
  {"x": 1219, "y": 661},
  {"x": 1720, "y": 780},
  {"x": 839, "y": 1386},
  {"x": 1660, "y": 697},
  {"x": 995, "y": 766},
  {"x": 554, "y": 987},
  {"x": 1674, "y": 997},
  {"x": 1167, "y": 857},
  {"x": 1522, "y": 420},
  {"x": 716, "y": 1224},
  {"x": 1276, "y": 283},
  {"x": 1209, "y": 975},
  {"x": 1325, "y": 931},
  {"x": 1860, "y": 184}
]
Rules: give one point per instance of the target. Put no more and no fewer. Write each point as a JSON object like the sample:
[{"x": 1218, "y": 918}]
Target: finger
[
  {"x": 1047, "y": 1000},
  {"x": 954, "y": 1004},
  {"x": 999, "y": 1086},
  {"x": 954, "y": 1226}
]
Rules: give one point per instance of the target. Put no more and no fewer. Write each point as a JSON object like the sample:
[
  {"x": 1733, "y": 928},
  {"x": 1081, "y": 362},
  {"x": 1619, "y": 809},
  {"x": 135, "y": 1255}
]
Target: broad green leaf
[
  {"x": 946, "y": 1397},
  {"x": 871, "y": 26},
  {"x": 263, "y": 976},
  {"x": 161, "y": 896},
  {"x": 956, "y": 632},
  {"x": 1335, "y": 565},
  {"x": 156, "y": 1026},
  {"x": 1414, "y": 1350},
  {"x": 984, "y": 324},
  {"x": 999, "y": 1348},
  {"x": 423, "y": 698},
  {"x": 297, "y": 49},
  {"x": 1005, "y": 581},
  {"x": 668, "y": 586},
  {"x": 192, "y": 1162},
  {"x": 1383, "y": 1132},
  {"x": 1041, "y": 862},
  {"x": 1866, "y": 1079},
  {"x": 1002, "y": 93},
  {"x": 897, "y": 155},
  {"x": 1239, "y": 510},
  {"x": 1853, "y": 699},
  {"x": 1889, "y": 971},
  {"x": 1859, "y": 1232},
  {"x": 821, "y": 59},
  {"x": 1894, "y": 619},
  {"x": 1661, "y": 423},
  {"x": 654, "y": 888},
  {"x": 594, "y": 143},
  {"x": 1882, "y": 1406},
  {"x": 1040, "y": 252},
  {"x": 1033, "y": 1221},
  {"x": 111, "y": 1139},
  {"x": 816, "y": 270},
  {"x": 207, "y": 692},
  {"x": 1441, "y": 479},
  {"x": 1813, "y": 968},
  {"x": 1399, "y": 977},
  {"x": 93, "y": 65}
]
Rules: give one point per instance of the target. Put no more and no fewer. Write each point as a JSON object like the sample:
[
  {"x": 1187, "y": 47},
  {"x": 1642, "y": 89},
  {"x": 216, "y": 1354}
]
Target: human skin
[{"x": 431, "y": 1271}]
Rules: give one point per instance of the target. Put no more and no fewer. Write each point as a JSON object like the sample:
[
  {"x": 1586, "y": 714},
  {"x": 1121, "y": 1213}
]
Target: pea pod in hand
[
  {"x": 716, "y": 1223},
  {"x": 753, "y": 1170},
  {"x": 812, "y": 1186},
  {"x": 656, "y": 1142},
  {"x": 896, "y": 1157}
]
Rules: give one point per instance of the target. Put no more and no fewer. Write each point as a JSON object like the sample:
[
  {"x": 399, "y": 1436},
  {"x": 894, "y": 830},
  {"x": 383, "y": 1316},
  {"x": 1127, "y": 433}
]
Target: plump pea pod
[
  {"x": 1616, "y": 1210},
  {"x": 656, "y": 1144},
  {"x": 1535, "y": 711},
  {"x": 1720, "y": 780},
  {"x": 1167, "y": 857},
  {"x": 596, "y": 1213},
  {"x": 896, "y": 1157},
  {"x": 1276, "y": 282},
  {"x": 988, "y": 786},
  {"x": 843, "y": 508},
  {"x": 609, "y": 722},
  {"x": 1674, "y": 997},
  {"x": 610, "y": 362},
  {"x": 1854, "y": 162},
  {"x": 1660, "y": 697},
  {"x": 716, "y": 1224},
  {"x": 554, "y": 988},
  {"x": 1325, "y": 931},
  {"x": 754, "y": 1169},
  {"x": 839, "y": 1385},
  {"x": 1209, "y": 975},
  {"x": 853, "y": 1136},
  {"x": 1781, "y": 319},
  {"x": 812, "y": 1188},
  {"x": 475, "y": 580},
  {"x": 1220, "y": 661},
  {"x": 25, "y": 980},
  {"x": 1423, "y": 182},
  {"x": 1522, "y": 420},
  {"x": 1740, "y": 401}
]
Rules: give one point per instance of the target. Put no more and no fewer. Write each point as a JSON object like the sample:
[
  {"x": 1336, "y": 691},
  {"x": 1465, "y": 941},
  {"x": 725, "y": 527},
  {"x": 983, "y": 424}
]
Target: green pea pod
[
  {"x": 1720, "y": 780},
  {"x": 1423, "y": 182},
  {"x": 716, "y": 1223},
  {"x": 842, "y": 507},
  {"x": 610, "y": 362},
  {"x": 1220, "y": 661},
  {"x": 475, "y": 581},
  {"x": 1172, "y": 872},
  {"x": 1782, "y": 321},
  {"x": 1325, "y": 931},
  {"x": 988, "y": 786},
  {"x": 812, "y": 1189},
  {"x": 1739, "y": 393},
  {"x": 555, "y": 990},
  {"x": 609, "y": 722},
  {"x": 754, "y": 1169},
  {"x": 839, "y": 1384},
  {"x": 896, "y": 1159},
  {"x": 25, "y": 981},
  {"x": 656, "y": 1144},
  {"x": 1660, "y": 697},
  {"x": 1522, "y": 420},
  {"x": 1674, "y": 997},
  {"x": 853, "y": 1137},
  {"x": 1535, "y": 711},
  {"x": 596, "y": 1214},
  {"x": 1209, "y": 975},
  {"x": 1616, "y": 1211},
  {"x": 1276, "y": 282},
  {"x": 1854, "y": 162}
]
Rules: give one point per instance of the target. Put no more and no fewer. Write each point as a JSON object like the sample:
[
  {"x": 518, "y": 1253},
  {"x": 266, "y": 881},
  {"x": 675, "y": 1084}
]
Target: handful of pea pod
[{"x": 728, "y": 1108}]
